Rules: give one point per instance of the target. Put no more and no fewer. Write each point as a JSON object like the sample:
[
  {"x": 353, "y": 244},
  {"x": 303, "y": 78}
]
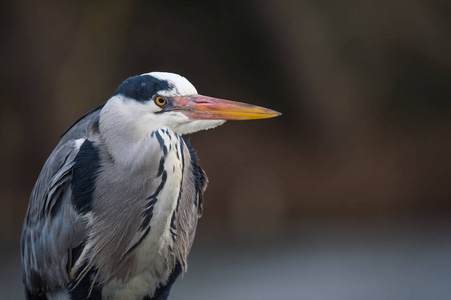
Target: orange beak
[{"x": 209, "y": 108}]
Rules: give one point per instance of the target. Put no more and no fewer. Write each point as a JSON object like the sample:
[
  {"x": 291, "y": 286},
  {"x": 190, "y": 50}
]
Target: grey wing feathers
[
  {"x": 52, "y": 227},
  {"x": 200, "y": 195}
]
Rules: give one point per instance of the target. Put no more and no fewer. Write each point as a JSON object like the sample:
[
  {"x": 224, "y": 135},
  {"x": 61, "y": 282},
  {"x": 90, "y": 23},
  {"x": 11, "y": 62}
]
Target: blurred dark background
[{"x": 345, "y": 196}]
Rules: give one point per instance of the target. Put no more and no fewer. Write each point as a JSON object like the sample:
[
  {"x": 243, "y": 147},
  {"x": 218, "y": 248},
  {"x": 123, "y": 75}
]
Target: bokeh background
[{"x": 347, "y": 195}]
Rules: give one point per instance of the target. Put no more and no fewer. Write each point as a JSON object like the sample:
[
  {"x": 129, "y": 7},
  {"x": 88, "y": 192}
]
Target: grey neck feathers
[{"x": 127, "y": 144}]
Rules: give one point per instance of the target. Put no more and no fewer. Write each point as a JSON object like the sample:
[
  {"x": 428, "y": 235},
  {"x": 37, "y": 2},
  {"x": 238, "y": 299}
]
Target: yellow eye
[{"x": 160, "y": 101}]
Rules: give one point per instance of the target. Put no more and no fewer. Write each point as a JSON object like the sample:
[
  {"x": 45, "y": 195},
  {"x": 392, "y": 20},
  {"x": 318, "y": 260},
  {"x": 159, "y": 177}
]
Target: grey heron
[{"x": 115, "y": 207}]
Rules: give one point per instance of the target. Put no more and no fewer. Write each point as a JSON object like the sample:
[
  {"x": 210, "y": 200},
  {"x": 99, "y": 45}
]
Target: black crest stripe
[{"x": 142, "y": 87}]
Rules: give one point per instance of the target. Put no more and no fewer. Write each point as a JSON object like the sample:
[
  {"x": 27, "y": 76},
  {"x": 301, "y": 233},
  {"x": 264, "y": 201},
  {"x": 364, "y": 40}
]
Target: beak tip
[{"x": 274, "y": 114}]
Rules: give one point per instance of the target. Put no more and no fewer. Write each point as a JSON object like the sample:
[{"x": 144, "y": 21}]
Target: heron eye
[{"x": 160, "y": 101}]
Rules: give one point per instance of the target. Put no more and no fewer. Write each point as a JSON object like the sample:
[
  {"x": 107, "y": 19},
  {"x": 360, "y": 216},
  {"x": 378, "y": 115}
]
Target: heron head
[{"x": 165, "y": 100}]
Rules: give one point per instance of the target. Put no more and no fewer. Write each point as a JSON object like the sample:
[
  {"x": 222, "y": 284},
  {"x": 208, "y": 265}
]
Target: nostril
[{"x": 201, "y": 101}]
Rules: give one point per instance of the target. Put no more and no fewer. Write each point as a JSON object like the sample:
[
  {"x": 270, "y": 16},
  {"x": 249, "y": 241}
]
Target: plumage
[{"x": 115, "y": 208}]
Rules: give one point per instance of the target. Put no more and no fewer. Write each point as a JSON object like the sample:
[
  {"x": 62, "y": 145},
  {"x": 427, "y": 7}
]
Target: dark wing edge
[
  {"x": 52, "y": 227},
  {"x": 200, "y": 178},
  {"x": 200, "y": 193},
  {"x": 85, "y": 116}
]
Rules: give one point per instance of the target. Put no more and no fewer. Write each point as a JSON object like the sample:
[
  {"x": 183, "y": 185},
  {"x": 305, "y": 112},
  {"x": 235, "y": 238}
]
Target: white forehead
[{"x": 181, "y": 85}]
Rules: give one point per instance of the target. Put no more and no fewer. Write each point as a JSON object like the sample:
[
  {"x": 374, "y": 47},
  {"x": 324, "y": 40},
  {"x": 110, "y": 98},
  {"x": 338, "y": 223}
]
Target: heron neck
[{"x": 125, "y": 141}]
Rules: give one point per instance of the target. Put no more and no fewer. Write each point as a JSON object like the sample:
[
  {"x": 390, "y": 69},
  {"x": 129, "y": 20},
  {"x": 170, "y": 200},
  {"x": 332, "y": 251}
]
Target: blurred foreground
[{"x": 315, "y": 261}]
